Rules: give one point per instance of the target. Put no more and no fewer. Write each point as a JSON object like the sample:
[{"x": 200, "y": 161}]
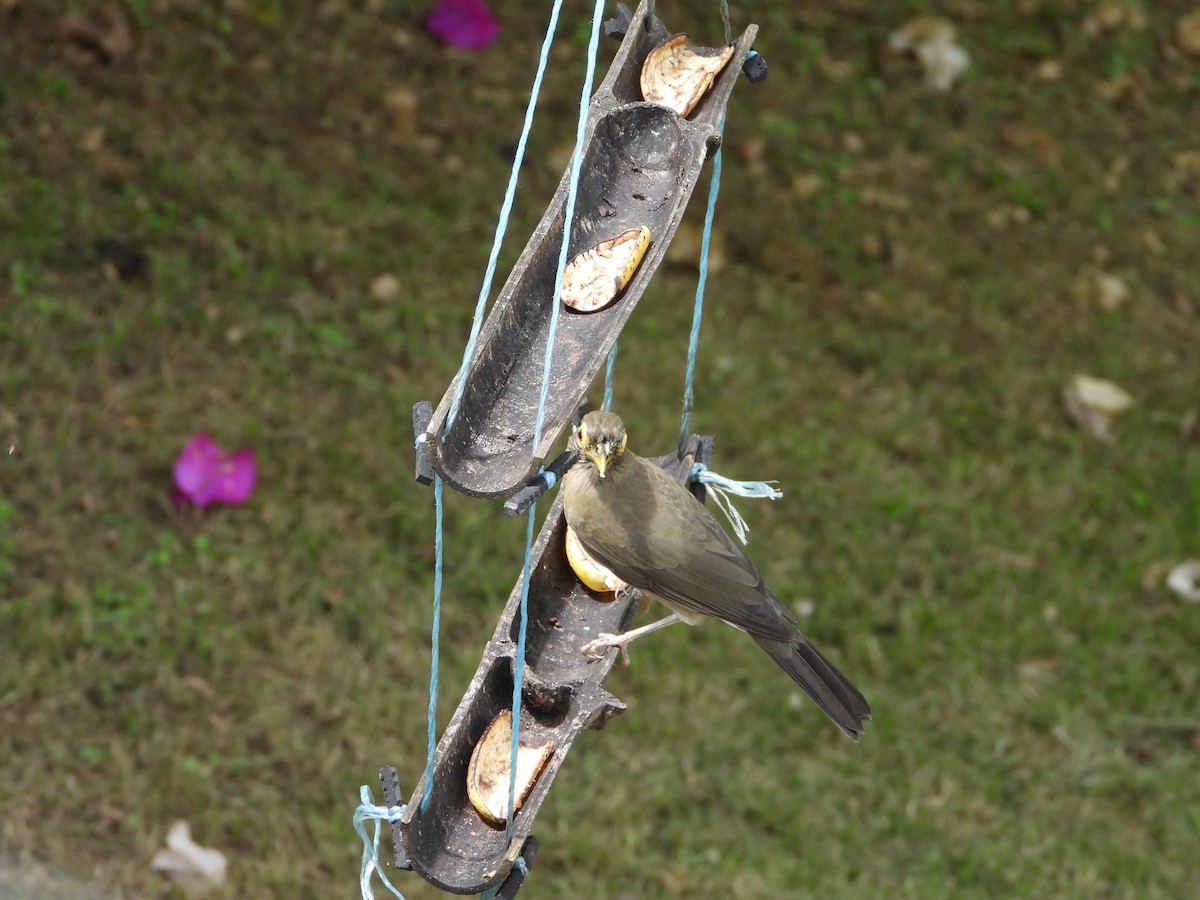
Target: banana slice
[
  {"x": 594, "y": 278},
  {"x": 677, "y": 77},
  {"x": 590, "y": 572},
  {"x": 487, "y": 774}
]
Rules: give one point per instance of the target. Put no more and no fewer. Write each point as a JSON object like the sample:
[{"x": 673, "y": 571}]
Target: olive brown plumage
[{"x": 639, "y": 522}]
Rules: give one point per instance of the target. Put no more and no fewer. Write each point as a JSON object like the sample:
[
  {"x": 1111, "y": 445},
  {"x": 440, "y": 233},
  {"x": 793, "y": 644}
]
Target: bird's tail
[{"x": 828, "y": 687}]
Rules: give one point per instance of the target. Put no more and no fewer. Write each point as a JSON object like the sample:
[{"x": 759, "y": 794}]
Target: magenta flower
[
  {"x": 204, "y": 473},
  {"x": 467, "y": 24}
]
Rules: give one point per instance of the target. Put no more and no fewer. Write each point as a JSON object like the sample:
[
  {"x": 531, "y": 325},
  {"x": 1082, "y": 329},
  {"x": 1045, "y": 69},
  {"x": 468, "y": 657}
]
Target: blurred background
[{"x": 269, "y": 221}]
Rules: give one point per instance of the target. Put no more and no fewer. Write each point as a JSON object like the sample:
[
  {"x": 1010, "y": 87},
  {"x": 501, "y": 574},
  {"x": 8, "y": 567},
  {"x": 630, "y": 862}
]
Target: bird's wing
[{"x": 683, "y": 555}]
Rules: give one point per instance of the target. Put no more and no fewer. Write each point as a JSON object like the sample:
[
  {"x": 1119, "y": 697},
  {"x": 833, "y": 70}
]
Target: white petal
[{"x": 196, "y": 868}]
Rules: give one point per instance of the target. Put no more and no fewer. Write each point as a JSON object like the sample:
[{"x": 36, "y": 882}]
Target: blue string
[
  {"x": 689, "y": 398},
  {"x": 721, "y": 487},
  {"x": 460, "y": 381},
  {"x": 367, "y": 809},
  {"x": 568, "y": 217},
  {"x": 437, "y": 622},
  {"x": 608, "y": 376},
  {"x": 519, "y": 674},
  {"x": 505, "y": 211}
]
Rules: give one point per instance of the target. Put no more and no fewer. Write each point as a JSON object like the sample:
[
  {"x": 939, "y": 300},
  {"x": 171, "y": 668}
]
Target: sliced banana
[
  {"x": 488, "y": 772},
  {"x": 595, "y": 277},
  {"x": 677, "y": 76},
  {"x": 590, "y": 572}
]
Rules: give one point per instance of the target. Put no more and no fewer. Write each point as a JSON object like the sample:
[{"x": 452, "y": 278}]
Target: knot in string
[
  {"x": 721, "y": 487},
  {"x": 368, "y": 809}
]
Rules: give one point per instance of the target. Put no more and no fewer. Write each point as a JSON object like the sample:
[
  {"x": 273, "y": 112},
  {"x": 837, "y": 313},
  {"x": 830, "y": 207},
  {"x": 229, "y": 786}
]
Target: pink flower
[
  {"x": 467, "y": 24},
  {"x": 205, "y": 474}
]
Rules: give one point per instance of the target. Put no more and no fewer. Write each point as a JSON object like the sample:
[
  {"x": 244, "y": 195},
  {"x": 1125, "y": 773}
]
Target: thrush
[{"x": 647, "y": 528}]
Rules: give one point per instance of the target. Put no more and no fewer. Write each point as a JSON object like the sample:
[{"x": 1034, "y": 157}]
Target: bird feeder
[
  {"x": 449, "y": 842},
  {"x": 640, "y": 164}
]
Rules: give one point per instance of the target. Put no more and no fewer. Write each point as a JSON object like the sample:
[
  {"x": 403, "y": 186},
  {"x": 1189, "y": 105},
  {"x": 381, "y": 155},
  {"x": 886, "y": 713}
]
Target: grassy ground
[{"x": 889, "y": 337}]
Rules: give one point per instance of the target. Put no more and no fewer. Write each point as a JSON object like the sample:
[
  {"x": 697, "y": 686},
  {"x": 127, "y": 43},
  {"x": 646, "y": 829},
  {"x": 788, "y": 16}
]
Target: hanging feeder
[
  {"x": 641, "y": 161},
  {"x": 451, "y": 843}
]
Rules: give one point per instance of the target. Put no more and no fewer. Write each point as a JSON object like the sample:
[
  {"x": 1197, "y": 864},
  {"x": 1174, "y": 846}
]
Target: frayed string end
[{"x": 721, "y": 489}]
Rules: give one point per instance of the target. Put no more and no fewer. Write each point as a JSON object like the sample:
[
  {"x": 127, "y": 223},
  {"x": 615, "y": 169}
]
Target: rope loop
[{"x": 369, "y": 810}]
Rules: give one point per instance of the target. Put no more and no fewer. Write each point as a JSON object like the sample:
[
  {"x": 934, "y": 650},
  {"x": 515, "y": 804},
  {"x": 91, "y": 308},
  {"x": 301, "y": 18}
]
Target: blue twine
[
  {"x": 608, "y": 376},
  {"x": 519, "y": 676},
  {"x": 721, "y": 487},
  {"x": 437, "y": 622},
  {"x": 460, "y": 381},
  {"x": 505, "y": 212},
  {"x": 689, "y": 398},
  {"x": 367, "y": 809},
  {"x": 548, "y": 478},
  {"x": 568, "y": 216}
]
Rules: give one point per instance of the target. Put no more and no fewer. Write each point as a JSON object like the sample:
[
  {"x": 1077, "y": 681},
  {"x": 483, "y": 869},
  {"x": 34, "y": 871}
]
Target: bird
[{"x": 643, "y": 525}]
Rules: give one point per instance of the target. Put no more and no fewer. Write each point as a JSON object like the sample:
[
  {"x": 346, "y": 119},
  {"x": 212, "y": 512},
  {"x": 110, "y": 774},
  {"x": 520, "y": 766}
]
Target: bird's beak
[{"x": 600, "y": 456}]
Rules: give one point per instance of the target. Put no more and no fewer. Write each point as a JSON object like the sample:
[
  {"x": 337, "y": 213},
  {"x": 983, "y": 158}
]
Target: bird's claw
[{"x": 603, "y": 643}]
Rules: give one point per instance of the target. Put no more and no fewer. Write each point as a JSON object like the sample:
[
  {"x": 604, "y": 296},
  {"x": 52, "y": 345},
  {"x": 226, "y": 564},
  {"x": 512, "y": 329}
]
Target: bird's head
[{"x": 601, "y": 438}]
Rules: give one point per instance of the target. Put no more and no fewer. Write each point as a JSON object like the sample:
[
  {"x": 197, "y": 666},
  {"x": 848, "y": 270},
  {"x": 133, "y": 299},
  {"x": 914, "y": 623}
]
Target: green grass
[{"x": 989, "y": 575}]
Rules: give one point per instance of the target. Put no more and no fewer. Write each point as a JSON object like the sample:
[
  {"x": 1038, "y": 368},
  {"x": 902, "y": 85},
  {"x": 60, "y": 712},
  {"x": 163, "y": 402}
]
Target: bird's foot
[{"x": 604, "y": 642}]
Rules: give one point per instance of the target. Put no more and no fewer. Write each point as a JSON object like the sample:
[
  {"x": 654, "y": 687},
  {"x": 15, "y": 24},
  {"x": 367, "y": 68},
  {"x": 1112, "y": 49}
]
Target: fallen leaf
[
  {"x": 465, "y": 24},
  {"x": 1094, "y": 403},
  {"x": 1184, "y": 580},
  {"x": 1112, "y": 15},
  {"x": 1187, "y": 33},
  {"x": 105, "y": 31},
  {"x": 385, "y": 287},
  {"x": 402, "y": 103},
  {"x": 196, "y": 869},
  {"x": 1099, "y": 290},
  {"x": 931, "y": 40}
]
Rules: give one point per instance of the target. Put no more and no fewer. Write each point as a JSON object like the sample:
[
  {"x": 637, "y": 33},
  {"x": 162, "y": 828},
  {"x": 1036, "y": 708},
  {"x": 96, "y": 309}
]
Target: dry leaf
[
  {"x": 105, "y": 31},
  {"x": 385, "y": 287},
  {"x": 1094, "y": 403},
  {"x": 1100, "y": 290},
  {"x": 677, "y": 76},
  {"x": 402, "y": 103},
  {"x": 595, "y": 278},
  {"x": 1187, "y": 33},
  {"x": 488, "y": 773},
  {"x": 931, "y": 40},
  {"x": 1184, "y": 580},
  {"x": 1113, "y": 15},
  {"x": 197, "y": 869}
]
